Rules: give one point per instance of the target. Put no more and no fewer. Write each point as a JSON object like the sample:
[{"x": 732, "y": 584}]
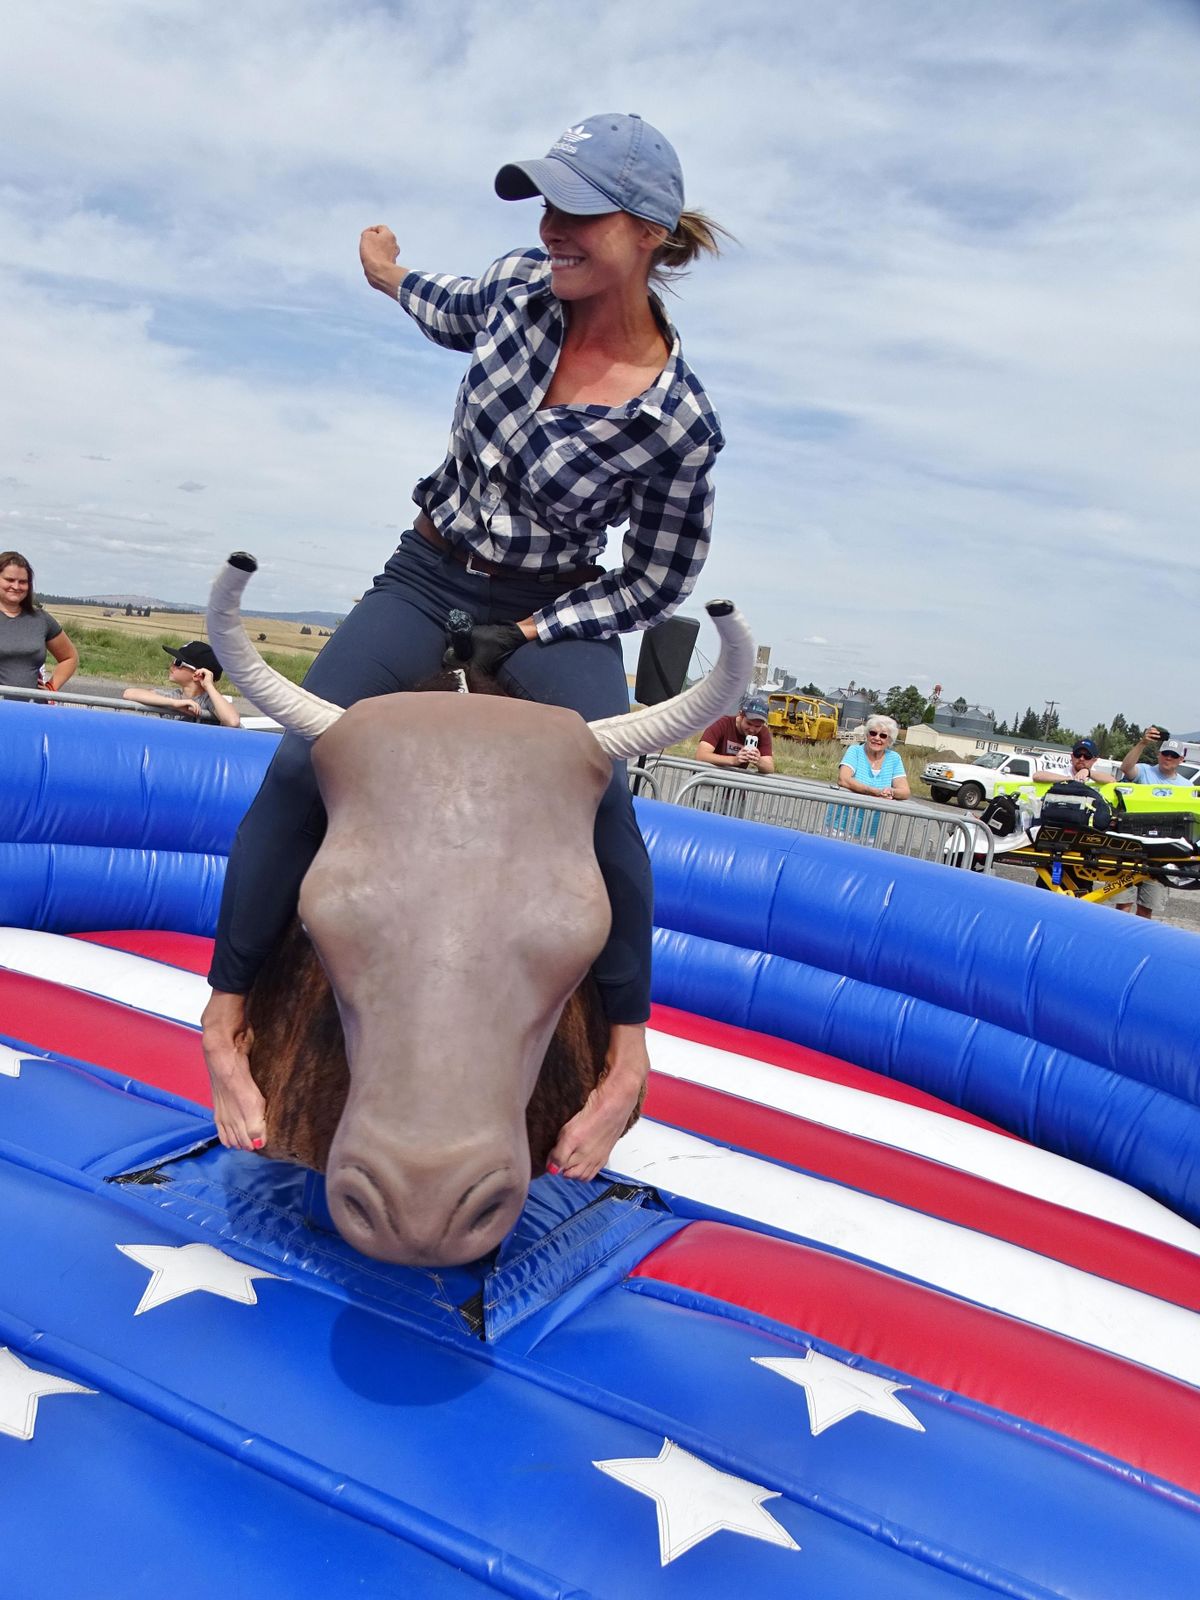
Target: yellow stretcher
[{"x": 1151, "y": 837}]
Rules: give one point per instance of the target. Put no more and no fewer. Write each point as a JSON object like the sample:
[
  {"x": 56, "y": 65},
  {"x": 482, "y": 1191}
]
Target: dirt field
[{"x": 189, "y": 625}]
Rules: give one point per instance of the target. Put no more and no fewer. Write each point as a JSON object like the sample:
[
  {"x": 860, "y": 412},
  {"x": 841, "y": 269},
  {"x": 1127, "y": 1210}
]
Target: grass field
[{"x": 112, "y": 645}]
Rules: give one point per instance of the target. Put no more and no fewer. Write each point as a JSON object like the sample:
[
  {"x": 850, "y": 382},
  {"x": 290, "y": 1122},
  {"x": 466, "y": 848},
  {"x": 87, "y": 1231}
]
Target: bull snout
[{"x": 424, "y": 1220}]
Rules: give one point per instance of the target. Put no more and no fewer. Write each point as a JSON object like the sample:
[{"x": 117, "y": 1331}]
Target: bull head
[{"x": 455, "y": 906}]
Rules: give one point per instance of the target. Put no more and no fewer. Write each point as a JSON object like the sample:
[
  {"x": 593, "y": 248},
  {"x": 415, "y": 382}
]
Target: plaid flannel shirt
[{"x": 537, "y": 489}]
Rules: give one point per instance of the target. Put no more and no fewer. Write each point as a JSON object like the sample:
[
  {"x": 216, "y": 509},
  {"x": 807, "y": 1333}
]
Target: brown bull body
[{"x": 426, "y": 1048}]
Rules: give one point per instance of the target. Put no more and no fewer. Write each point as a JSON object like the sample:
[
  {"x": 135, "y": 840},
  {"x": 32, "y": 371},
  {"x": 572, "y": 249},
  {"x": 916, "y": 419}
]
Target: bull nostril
[
  {"x": 360, "y": 1211},
  {"x": 357, "y": 1213},
  {"x": 499, "y": 1208}
]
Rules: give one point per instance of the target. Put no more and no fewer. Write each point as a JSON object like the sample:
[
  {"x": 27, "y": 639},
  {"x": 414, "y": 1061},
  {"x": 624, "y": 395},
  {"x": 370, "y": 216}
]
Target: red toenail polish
[
  {"x": 257, "y": 1144},
  {"x": 552, "y": 1169}
]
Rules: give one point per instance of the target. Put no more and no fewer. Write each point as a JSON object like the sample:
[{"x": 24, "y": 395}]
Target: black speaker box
[{"x": 663, "y": 659}]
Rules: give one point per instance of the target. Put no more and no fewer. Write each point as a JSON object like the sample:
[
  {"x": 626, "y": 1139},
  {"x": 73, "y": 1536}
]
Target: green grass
[{"x": 110, "y": 653}]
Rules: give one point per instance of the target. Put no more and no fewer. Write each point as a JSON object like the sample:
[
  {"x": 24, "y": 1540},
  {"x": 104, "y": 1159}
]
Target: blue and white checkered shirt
[{"x": 537, "y": 489}]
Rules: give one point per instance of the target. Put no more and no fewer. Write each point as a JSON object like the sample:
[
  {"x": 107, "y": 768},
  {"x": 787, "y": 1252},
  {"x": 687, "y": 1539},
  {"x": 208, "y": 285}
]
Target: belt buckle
[{"x": 476, "y": 572}]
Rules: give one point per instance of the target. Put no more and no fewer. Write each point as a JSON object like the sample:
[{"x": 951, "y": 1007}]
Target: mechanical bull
[{"x": 450, "y": 1028}]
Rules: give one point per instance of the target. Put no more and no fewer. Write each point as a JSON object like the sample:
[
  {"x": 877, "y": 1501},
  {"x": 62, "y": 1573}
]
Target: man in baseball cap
[
  {"x": 1083, "y": 759},
  {"x": 1165, "y": 772},
  {"x": 724, "y": 743},
  {"x": 1151, "y": 898}
]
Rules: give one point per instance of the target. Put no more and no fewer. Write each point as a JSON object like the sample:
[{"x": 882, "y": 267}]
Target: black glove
[{"x": 491, "y": 645}]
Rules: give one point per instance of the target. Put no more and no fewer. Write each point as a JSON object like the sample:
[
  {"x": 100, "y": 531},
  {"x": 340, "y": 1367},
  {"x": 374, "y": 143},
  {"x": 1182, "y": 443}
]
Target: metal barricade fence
[
  {"x": 63, "y": 697},
  {"x": 100, "y": 702},
  {"x": 903, "y": 827}
]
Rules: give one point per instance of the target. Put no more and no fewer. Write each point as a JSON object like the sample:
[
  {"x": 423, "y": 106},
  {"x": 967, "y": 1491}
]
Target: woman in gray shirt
[{"x": 27, "y": 632}]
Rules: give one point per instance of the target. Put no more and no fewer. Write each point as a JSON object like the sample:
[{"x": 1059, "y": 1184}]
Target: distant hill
[
  {"x": 323, "y": 619},
  {"x": 113, "y": 602}
]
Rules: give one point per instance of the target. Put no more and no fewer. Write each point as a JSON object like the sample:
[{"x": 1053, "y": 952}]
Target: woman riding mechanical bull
[{"x": 577, "y": 412}]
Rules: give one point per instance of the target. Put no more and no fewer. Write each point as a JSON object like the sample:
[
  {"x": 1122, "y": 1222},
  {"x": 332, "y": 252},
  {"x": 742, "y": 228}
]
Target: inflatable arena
[{"x": 893, "y": 1291}]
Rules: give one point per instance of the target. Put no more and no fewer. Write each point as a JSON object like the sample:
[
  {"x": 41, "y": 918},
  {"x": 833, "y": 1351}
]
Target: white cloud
[{"x": 955, "y": 350}]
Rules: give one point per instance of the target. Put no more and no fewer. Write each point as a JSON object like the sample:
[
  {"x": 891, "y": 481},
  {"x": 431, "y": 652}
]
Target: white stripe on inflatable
[
  {"x": 971, "y": 1265},
  {"x": 1025, "y": 1168},
  {"x": 113, "y": 974},
  {"x": 10, "y": 1060},
  {"x": 166, "y": 991}
]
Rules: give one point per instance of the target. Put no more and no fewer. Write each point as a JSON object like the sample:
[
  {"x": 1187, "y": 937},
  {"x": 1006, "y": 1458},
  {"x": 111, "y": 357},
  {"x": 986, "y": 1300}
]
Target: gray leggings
[{"x": 392, "y": 640}]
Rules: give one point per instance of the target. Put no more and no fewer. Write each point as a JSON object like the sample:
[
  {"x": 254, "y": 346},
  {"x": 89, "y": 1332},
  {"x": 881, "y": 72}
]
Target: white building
[{"x": 972, "y": 744}]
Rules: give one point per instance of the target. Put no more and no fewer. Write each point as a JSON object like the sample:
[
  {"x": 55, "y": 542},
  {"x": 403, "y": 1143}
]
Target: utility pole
[{"x": 1047, "y": 715}]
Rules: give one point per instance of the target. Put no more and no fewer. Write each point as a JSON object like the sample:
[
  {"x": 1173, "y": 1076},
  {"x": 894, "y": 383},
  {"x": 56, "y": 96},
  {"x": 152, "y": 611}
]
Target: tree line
[
  {"x": 909, "y": 707},
  {"x": 1111, "y": 739}
]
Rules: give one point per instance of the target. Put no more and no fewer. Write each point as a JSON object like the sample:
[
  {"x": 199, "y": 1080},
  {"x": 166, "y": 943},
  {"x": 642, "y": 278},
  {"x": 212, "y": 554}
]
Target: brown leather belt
[{"x": 466, "y": 557}]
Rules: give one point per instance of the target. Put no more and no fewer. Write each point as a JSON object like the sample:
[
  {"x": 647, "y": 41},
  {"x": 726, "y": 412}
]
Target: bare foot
[
  {"x": 586, "y": 1142},
  {"x": 238, "y": 1106}
]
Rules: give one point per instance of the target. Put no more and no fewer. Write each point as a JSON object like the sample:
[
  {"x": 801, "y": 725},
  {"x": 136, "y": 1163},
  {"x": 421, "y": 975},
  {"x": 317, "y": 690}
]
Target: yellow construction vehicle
[{"x": 802, "y": 716}]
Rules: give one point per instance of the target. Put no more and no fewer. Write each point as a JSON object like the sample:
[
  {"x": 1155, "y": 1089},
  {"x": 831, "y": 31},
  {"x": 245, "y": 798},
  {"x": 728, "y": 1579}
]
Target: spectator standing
[
  {"x": 1083, "y": 759},
  {"x": 1151, "y": 898},
  {"x": 1164, "y": 772},
  {"x": 193, "y": 693},
  {"x": 873, "y": 767},
  {"x": 27, "y": 632},
  {"x": 723, "y": 744}
]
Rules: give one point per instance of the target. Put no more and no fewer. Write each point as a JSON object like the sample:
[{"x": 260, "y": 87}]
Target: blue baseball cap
[
  {"x": 612, "y": 162},
  {"x": 756, "y": 707},
  {"x": 1084, "y": 747}
]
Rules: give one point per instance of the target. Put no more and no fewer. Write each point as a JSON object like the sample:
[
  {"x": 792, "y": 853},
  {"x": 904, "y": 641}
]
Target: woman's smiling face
[
  {"x": 14, "y": 585},
  {"x": 590, "y": 255}
]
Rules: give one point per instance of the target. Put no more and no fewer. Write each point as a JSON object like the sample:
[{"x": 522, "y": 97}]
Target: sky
[{"x": 955, "y": 349}]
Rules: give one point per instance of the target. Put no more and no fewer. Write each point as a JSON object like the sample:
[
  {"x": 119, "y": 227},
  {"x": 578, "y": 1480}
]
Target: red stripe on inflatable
[
  {"x": 191, "y": 951},
  {"x": 1141, "y": 1417},
  {"x": 1103, "y": 1248},
  {"x": 67, "y": 1022},
  {"x": 799, "y": 1058}
]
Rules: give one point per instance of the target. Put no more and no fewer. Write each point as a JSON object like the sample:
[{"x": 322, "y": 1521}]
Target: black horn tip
[
  {"x": 719, "y": 608},
  {"x": 243, "y": 562}
]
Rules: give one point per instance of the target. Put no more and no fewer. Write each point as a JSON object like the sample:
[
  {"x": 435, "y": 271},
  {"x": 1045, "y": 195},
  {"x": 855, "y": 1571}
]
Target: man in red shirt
[{"x": 724, "y": 743}]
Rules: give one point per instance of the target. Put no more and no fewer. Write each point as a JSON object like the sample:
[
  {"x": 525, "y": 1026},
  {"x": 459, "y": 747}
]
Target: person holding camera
[
  {"x": 1164, "y": 772},
  {"x": 742, "y": 741},
  {"x": 1150, "y": 899}
]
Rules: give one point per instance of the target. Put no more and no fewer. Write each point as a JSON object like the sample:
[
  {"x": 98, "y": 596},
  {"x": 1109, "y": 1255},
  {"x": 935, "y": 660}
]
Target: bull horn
[
  {"x": 635, "y": 733},
  {"x": 298, "y": 710}
]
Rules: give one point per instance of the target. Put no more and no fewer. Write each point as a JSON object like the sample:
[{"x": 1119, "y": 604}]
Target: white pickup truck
[{"x": 972, "y": 782}]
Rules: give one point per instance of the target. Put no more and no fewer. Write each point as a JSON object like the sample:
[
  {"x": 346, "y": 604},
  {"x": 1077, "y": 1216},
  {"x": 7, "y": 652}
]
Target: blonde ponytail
[{"x": 694, "y": 234}]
